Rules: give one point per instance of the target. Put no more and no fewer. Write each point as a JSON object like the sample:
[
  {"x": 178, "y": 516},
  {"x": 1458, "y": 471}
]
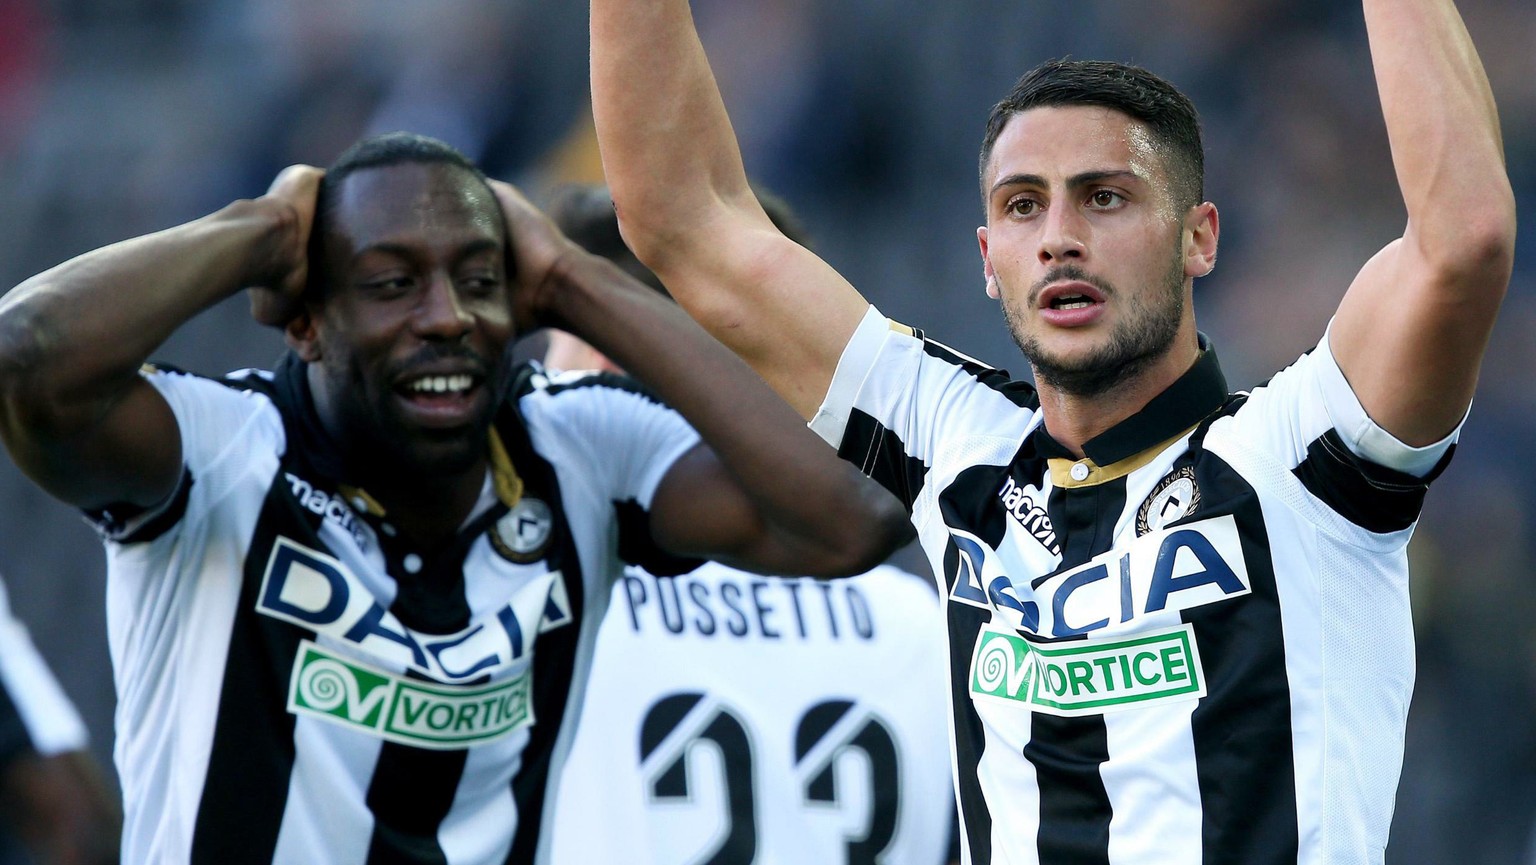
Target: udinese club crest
[
  {"x": 1175, "y": 497},
  {"x": 522, "y": 534}
]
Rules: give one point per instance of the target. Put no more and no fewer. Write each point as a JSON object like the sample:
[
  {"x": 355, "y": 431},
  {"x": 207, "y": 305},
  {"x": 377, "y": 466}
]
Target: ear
[
  {"x": 986, "y": 264},
  {"x": 302, "y": 333},
  {"x": 1202, "y": 230}
]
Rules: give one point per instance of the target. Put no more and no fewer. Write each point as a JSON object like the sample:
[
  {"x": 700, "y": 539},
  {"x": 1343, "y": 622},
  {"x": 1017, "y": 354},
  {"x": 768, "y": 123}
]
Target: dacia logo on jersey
[
  {"x": 1088, "y": 676},
  {"x": 1022, "y": 506},
  {"x": 333, "y": 688},
  {"x": 1174, "y": 498},
  {"x": 1163, "y": 571},
  {"x": 318, "y": 592}
]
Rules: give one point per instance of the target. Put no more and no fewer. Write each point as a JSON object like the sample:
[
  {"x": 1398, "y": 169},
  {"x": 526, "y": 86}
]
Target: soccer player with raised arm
[{"x": 1178, "y": 617}]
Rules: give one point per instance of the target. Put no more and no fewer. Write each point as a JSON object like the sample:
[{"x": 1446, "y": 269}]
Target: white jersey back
[{"x": 736, "y": 718}]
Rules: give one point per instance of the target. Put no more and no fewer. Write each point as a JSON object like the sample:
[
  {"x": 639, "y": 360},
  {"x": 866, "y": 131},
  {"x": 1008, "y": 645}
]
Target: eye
[
  {"x": 388, "y": 286},
  {"x": 1021, "y": 205},
  {"x": 480, "y": 284},
  {"x": 1104, "y": 199}
]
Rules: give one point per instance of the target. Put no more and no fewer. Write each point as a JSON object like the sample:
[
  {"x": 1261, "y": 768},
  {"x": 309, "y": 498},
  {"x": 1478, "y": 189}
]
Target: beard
[
  {"x": 1144, "y": 334},
  {"x": 376, "y": 439}
]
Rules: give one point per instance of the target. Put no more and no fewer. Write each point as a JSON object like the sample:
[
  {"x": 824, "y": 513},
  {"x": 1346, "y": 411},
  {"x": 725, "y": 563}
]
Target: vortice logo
[
  {"x": 1088, "y": 676},
  {"x": 336, "y": 689}
]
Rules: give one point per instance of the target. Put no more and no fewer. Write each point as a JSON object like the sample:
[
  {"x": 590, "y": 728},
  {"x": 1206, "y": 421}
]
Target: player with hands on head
[
  {"x": 1178, "y": 617},
  {"x": 350, "y": 599}
]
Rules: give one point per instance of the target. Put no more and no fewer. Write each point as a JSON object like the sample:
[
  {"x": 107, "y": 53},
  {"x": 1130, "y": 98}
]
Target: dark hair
[
  {"x": 1132, "y": 91},
  {"x": 381, "y": 151},
  {"x": 584, "y": 212}
]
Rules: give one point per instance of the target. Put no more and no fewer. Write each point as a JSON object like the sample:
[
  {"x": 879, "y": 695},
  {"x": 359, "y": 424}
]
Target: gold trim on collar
[
  {"x": 900, "y": 328},
  {"x": 1061, "y": 469},
  {"x": 509, "y": 485},
  {"x": 356, "y": 496}
]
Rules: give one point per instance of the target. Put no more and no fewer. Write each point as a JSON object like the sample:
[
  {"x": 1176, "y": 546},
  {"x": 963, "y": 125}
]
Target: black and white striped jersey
[
  {"x": 1191, "y": 646},
  {"x": 297, "y": 684},
  {"x": 35, "y": 715},
  {"x": 732, "y": 717}
]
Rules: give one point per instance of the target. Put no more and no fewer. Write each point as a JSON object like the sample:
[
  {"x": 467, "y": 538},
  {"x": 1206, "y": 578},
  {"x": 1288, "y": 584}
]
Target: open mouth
[
  {"x": 1071, "y": 301},
  {"x": 441, "y": 400},
  {"x": 440, "y": 384}
]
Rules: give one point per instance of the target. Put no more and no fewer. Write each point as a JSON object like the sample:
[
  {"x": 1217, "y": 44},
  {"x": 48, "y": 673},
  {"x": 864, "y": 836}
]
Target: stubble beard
[{"x": 1143, "y": 335}]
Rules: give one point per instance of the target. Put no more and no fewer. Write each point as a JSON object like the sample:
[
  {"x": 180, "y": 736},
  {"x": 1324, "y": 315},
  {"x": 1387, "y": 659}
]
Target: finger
[
  {"x": 296, "y": 181},
  {"x": 273, "y": 308}
]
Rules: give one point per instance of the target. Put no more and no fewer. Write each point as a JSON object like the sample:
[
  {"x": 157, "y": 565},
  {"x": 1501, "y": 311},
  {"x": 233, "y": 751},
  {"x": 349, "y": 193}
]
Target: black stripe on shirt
[
  {"x": 554, "y": 658},
  {"x": 245, "y": 790},
  {"x": 970, "y": 501},
  {"x": 1020, "y": 393},
  {"x": 1242, "y": 728},
  {"x": 1373, "y": 497},
  {"x": 880, "y": 453},
  {"x": 1068, "y": 751},
  {"x": 412, "y": 789}
]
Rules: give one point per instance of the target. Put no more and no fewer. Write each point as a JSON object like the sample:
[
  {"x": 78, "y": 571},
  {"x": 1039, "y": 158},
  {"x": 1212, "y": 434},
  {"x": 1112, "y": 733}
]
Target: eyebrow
[
  {"x": 1076, "y": 180},
  {"x": 472, "y": 248}
]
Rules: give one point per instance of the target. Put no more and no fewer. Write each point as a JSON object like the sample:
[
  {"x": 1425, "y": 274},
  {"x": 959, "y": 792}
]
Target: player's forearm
[
  {"x": 1446, "y": 145},
  {"x": 669, "y": 152},
  {"x": 73, "y": 336},
  {"x": 813, "y": 503}
]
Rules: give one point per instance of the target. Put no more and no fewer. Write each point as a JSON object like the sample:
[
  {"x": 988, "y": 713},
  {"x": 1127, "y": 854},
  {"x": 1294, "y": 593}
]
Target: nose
[
  {"x": 442, "y": 314},
  {"x": 1063, "y": 236}
]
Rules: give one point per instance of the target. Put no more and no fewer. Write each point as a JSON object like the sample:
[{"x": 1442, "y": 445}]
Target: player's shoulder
[{"x": 532, "y": 382}]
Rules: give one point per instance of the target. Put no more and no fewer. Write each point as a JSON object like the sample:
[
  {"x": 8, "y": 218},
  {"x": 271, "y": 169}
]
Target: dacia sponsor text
[
  {"x": 319, "y": 592},
  {"x": 1167, "y": 570}
]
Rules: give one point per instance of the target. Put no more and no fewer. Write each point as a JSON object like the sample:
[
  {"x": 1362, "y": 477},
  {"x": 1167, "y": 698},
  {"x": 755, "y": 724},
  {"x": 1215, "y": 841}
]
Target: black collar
[
  {"x": 308, "y": 439},
  {"x": 1199, "y": 391}
]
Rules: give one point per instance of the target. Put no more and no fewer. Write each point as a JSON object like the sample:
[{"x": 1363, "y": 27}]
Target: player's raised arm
[
  {"x": 686, "y": 209},
  {"x": 1411, "y": 331},
  {"x": 74, "y": 412}
]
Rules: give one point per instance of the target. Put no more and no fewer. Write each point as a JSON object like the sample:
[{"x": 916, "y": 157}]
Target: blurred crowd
[{"x": 119, "y": 117}]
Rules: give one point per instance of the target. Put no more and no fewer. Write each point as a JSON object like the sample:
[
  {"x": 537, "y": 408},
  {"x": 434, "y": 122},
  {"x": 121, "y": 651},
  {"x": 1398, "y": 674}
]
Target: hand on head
[
  {"x": 277, "y": 299},
  {"x": 538, "y": 247}
]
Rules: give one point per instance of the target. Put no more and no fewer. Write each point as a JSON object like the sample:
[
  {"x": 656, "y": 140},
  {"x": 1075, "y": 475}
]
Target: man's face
[
  {"x": 413, "y": 327},
  {"x": 1085, "y": 246}
]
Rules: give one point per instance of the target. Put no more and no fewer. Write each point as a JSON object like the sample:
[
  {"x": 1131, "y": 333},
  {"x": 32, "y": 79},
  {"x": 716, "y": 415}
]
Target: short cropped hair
[
  {"x": 381, "y": 151},
  {"x": 584, "y": 212},
  {"x": 1130, "y": 90}
]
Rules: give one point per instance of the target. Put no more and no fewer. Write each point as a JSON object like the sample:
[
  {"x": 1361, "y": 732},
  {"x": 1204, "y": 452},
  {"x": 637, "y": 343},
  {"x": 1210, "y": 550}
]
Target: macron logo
[{"x": 1028, "y": 514}]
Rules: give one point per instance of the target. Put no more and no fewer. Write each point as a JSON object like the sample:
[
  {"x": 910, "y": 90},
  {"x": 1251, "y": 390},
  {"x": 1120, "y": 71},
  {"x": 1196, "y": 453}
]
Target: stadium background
[{"x": 119, "y": 117}]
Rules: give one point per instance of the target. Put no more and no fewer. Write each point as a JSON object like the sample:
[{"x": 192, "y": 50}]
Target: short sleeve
[
  {"x": 217, "y": 422},
  {"x": 898, "y": 400}
]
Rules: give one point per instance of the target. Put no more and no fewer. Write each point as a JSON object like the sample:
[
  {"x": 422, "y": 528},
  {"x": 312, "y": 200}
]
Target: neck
[
  {"x": 429, "y": 512},
  {"x": 1074, "y": 419}
]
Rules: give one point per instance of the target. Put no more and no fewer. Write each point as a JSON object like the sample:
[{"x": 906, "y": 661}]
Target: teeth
[
  {"x": 441, "y": 384},
  {"x": 1075, "y": 304}
]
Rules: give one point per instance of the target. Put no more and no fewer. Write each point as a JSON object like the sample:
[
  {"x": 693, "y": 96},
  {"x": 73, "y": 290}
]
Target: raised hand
[{"x": 276, "y": 296}]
